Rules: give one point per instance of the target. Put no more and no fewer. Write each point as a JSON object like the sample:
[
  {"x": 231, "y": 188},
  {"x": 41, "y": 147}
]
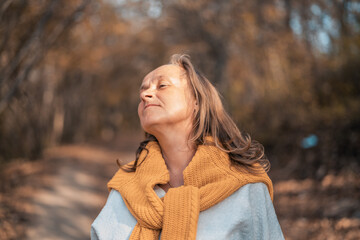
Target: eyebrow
[{"x": 144, "y": 86}]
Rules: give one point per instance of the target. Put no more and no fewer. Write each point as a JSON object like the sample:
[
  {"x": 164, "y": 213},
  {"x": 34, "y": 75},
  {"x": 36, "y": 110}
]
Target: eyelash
[{"x": 159, "y": 86}]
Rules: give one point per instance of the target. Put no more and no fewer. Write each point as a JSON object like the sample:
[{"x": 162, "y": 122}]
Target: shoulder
[
  {"x": 243, "y": 201},
  {"x": 114, "y": 207},
  {"x": 248, "y": 199},
  {"x": 114, "y": 220},
  {"x": 251, "y": 194},
  {"x": 258, "y": 179},
  {"x": 261, "y": 219},
  {"x": 256, "y": 190},
  {"x": 246, "y": 214},
  {"x": 121, "y": 177}
]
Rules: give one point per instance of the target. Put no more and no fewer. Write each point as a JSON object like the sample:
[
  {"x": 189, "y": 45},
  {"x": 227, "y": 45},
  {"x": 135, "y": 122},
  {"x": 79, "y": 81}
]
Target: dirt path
[
  {"x": 60, "y": 196},
  {"x": 74, "y": 193}
]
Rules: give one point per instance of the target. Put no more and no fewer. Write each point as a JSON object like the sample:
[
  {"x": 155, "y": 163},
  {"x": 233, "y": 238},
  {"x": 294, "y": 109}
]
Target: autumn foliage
[{"x": 286, "y": 70}]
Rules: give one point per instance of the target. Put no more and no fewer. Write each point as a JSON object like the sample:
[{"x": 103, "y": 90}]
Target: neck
[{"x": 177, "y": 152}]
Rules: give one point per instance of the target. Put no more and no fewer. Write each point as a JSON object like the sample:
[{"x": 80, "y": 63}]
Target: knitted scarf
[{"x": 208, "y": 179}]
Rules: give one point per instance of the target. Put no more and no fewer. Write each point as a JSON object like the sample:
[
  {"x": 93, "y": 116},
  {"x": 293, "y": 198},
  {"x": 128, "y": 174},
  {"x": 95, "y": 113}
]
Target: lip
[{"x": 151, "y": 105}]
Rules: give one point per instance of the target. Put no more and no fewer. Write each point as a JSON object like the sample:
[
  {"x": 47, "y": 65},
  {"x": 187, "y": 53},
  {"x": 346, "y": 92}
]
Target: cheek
[
  {"x": 180, "y": 108},
  {"x": 188, "y": 103},
  {"x": 147, "y": 117},
  {"x": 139, "y": 109},
  {"x": 142, "y": 118}
]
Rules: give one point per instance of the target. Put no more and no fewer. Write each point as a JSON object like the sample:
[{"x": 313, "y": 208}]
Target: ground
[{"x": 60, "y": 195}]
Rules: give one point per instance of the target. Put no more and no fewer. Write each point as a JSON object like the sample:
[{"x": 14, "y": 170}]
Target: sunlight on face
[{"x": 165, "y": 99}]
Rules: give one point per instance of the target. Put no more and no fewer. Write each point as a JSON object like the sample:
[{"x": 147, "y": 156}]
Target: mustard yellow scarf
[{"x": 208, "y": 179}]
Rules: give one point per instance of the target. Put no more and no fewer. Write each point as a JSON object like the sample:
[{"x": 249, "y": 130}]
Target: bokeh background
[{"x": 288, "y": 72}]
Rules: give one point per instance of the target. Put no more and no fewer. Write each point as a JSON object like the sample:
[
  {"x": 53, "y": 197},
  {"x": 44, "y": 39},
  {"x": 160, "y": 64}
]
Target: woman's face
[{"x": 165, "y": 99}]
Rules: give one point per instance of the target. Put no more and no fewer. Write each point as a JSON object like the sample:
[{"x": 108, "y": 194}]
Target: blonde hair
[{"x": 211, "y": 119}]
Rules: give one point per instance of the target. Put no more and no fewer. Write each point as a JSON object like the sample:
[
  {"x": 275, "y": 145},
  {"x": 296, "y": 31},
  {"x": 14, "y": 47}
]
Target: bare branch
[
  {"x": 38, "y": 54},
  {"x": 4, "y": 6},
  {"x": 23, "y": 51}
]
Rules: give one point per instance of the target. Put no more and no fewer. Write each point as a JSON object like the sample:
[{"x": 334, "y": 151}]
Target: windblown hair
[{"x": 211, "y": 119}]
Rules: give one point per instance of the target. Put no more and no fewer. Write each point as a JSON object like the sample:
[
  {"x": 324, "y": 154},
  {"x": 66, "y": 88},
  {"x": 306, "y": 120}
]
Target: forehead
[{"x": 166, "y": 71}]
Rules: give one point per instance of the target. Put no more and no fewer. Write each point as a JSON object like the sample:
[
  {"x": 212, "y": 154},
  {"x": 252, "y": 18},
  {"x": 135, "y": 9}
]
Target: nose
[{"x": 146, "y": 94}]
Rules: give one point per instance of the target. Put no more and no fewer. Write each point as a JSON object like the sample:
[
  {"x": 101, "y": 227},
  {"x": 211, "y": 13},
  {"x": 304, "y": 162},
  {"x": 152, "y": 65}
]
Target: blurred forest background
[{"x": 288, "y": 71}]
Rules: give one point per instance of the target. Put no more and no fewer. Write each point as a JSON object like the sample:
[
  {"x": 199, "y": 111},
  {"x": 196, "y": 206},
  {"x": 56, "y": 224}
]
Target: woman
[{"x": 195, "y": 176}]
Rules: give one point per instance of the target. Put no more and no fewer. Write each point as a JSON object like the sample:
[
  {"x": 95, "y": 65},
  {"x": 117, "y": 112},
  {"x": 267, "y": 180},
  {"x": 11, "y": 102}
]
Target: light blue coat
[{"x": 246, "y": 214}]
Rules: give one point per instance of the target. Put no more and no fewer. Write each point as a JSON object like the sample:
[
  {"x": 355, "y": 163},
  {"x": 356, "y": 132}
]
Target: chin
[
  {"x": 149, "y": 127},
  {"x": 150, "y": 120}
]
